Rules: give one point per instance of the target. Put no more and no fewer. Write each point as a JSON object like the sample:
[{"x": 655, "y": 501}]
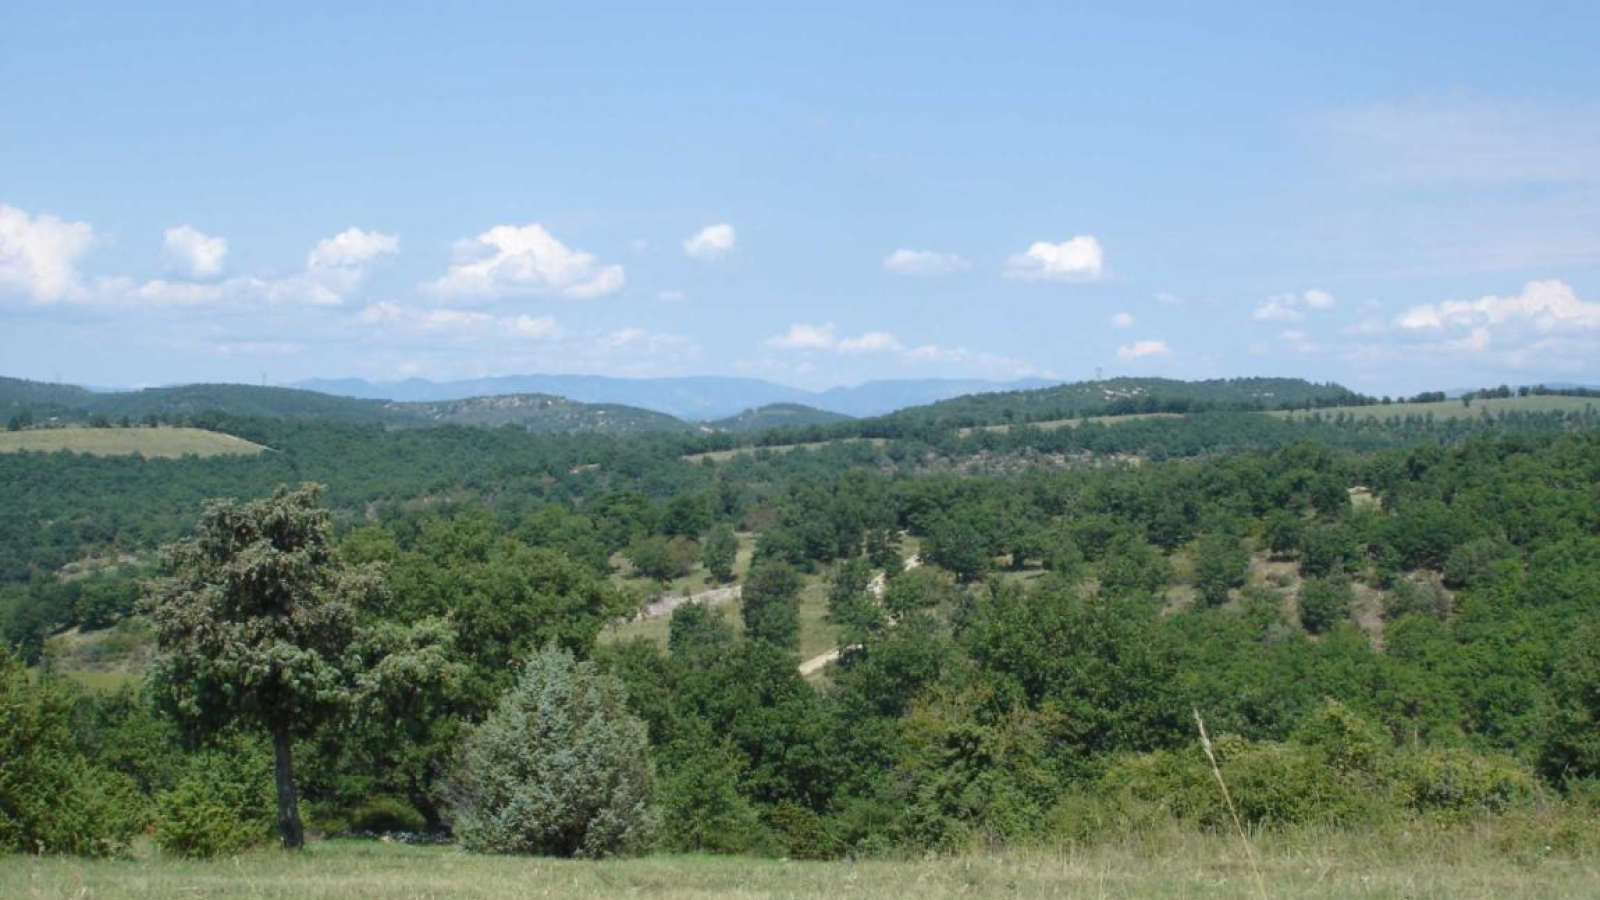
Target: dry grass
[
  {"x": 1193, "y": 867},
  {"x": 148, "y": 442}
]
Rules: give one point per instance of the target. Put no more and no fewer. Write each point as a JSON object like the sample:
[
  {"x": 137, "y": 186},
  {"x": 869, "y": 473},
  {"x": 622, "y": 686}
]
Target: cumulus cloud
[
  {"x": 804, "y": 337},
  {"x": 923, "y": 262},
  {"x": 192, "y": 253},
  {"x": 352, "y": 248},
  {"x": 1140, "y": 349},
  {"x": 1167, "y": 298},
  {"x": 39, "y": 255},
  {"x": 335, "y": 268},
  {"x": 1291, "y": 307},
  {"x": 710, "y": 242},
  {"x": 871, "y": 342},
  {"x": 1542, "y": 306},
  {"x": 1122, "y": 320},
  {"x": 524, "y": 261},
  {"x": 1077, "y": 259}
]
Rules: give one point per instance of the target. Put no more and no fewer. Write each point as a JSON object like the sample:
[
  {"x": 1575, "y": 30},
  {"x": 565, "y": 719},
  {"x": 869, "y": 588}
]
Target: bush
[
  {"x": 1459, "y": 784},
  {"x": 559, "y": 768},
  {"x": 702, "y": 810},
  {"x": 53, "y": 799},
  {"x": 223, "y": 803},
  {"x": 1324, "y": 603}
]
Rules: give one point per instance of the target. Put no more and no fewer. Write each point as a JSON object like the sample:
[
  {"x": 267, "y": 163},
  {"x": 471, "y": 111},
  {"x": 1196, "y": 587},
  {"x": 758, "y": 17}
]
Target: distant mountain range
[{"x": 696, "y": 399}]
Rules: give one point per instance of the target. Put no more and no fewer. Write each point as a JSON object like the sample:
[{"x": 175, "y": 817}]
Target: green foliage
[
  {"x": 701, "y": 808},
  {"x": 1570, "y": 748},
  {"x": 221, "y": 804},
  {"x": 1324, "y": 602},
  {"x": 770, "y": 605},
  {"x": 1221, "y": 564},
  {"x": 922, "y": 588},
  {"x": 720, "y": 551},
  {"x": 1133, "y": 568},
  {"x": 663, "y": 558},
  {"x": 560, "y": 767},
  {"x": 52, "y": 798}
]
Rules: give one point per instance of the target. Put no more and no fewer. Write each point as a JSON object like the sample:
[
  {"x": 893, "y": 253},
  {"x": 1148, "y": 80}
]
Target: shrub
[
  {"x": 702, "y": 810},
  {"x": 1459, "y": 784},
  {"x": 223, "y": 803},
  {"x": 53, "y": 799},
  {"x": 559, "y": 768},
  {"x": 1324, "y": 603}
]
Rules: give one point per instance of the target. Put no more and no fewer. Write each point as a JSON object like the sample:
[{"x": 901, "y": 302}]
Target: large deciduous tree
[{"x": 257, "y": 623}]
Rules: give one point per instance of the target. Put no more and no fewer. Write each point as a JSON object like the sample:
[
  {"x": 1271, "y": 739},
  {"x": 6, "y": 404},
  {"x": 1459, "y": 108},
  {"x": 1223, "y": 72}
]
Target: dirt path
[
  {"x": 819, "y": 662},
  {"x": 663, "y": 605}
]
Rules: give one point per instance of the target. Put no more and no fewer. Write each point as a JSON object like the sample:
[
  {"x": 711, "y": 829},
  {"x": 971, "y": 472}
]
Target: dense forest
[{"x": 1380, "y": 620}]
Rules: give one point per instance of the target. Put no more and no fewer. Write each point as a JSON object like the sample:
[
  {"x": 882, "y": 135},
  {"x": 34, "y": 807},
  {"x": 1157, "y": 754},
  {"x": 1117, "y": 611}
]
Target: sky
[{"x": 1395, "y": 196}]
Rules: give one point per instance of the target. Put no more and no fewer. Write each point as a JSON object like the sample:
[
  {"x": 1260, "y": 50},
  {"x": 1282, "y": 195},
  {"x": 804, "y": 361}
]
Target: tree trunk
[{"x": 289, "y": 827}]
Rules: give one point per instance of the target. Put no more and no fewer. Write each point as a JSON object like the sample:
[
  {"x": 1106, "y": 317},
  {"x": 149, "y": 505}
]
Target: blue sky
[{"x": 1397, "y": 199}]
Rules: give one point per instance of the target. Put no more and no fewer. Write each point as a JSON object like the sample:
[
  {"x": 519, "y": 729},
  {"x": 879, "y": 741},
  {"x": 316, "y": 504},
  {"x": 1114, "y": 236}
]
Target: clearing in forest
[{"x": 167, "y": 443}]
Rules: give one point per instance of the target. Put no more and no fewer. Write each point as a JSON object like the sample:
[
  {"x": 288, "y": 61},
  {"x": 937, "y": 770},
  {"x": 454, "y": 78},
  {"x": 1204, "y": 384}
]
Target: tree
[
  {"x": 770, "y": 604},
  {"x": 1324, "y": 602},
  {"x": 719, "y": 553},
  {"x": 560, "y": 767},
  {"x": 1220, "y": 565},
  {"x": 256, "y": 621}
]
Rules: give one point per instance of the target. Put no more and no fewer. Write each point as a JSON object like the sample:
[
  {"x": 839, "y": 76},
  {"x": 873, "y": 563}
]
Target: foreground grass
[
  {"x": 1196, "y": 868},
  {"x": 150, "y": 442}
]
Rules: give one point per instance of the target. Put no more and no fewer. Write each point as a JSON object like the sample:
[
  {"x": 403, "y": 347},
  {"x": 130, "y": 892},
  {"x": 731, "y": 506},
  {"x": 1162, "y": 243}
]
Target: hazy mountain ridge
[{"x": 693, "y": 398}]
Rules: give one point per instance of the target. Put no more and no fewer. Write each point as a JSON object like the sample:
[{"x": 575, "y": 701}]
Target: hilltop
[{"x": 778, "y": 415}]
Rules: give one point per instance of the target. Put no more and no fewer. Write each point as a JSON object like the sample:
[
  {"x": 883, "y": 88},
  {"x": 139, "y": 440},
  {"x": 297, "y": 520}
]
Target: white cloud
[
  {"x": 1291, "y": 307},
  {"x": 456, "y": 323},
  {"x": 1139, "y": 349},
  {"x": 1318, "y": 299},
  {"x": 525, "y": 261},
  {"x": 671, "y": 296},
  {"x": 1543, "y": 306},
  {"x": 352, "y": 248},
  {"x": 39, "y": 255},
  {"x": 1077, "y": 259},
  {"x": 804, "y": 337},
  {"x": 710, "y": 242},
  {"x": 1166, "y": 298},
  {"x": 870, "y": 342},
  {"x": 811, "y": 339},
  {"x": 335, "y": 268},
  {"x": 193, "y": 253},
  {"x": 1122, "y": 320},
  {"x": 923, "y": 262}
]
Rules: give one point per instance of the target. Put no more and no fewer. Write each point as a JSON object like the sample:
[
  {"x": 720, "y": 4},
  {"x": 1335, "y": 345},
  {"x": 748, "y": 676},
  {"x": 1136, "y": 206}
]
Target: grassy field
[
  {"x": 1053, "y": 424},
  {"x": 724, "y": 455},
  {"x": 151, "y": 442},
  {"x": 1453, "y": 409},
  {"x": 1196, "y": 868}
]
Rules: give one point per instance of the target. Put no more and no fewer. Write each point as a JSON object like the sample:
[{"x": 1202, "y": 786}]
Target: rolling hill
[
  {"x": 1121, "y": 396},
  {"x": 777, "y": 415}
]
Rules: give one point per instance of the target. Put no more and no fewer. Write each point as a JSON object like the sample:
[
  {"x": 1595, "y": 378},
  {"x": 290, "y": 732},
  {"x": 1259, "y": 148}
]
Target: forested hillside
[{"x": 1384, "y": 621}]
